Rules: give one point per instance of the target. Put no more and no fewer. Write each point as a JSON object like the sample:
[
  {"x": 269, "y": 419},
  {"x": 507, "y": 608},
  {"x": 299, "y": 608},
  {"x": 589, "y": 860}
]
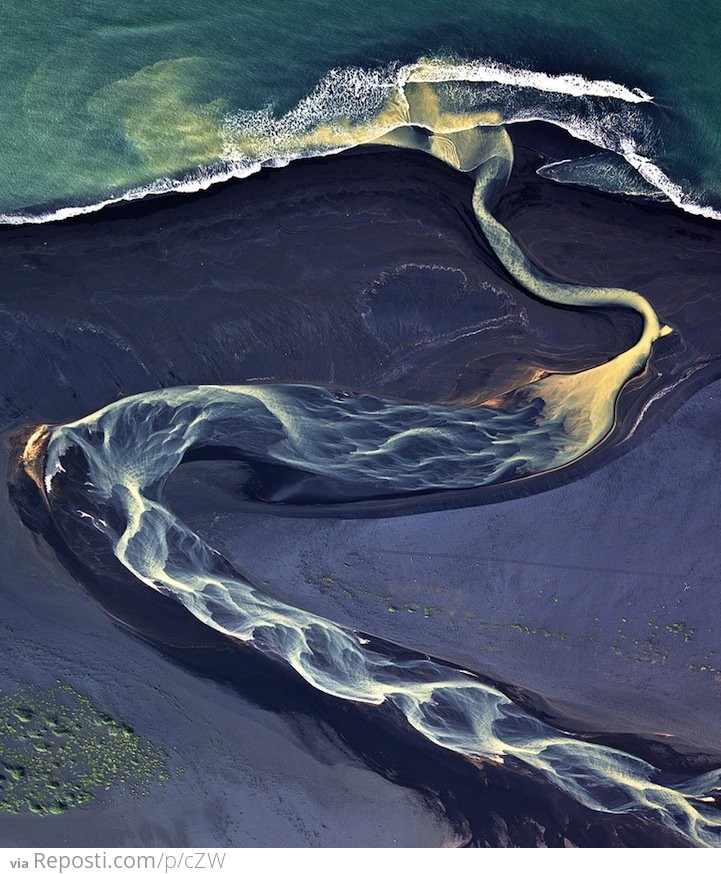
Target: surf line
[{"x": 352, "y": 106}]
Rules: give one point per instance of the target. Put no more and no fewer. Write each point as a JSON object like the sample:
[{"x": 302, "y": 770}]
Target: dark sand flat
[
  {"x": 599, "y": 597},
  {"x": 593, "y": 599},
  {"x": 241, "y": 775}
]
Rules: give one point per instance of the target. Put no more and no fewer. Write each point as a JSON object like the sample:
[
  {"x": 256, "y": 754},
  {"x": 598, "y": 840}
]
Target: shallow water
[
  {"x": 107, "y": 472},
  {"x": 179, "y": 95}
]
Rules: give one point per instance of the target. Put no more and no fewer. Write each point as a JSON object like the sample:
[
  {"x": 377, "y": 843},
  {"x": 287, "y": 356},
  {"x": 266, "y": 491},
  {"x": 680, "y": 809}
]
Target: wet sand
[
  {"x": 596, "y": 597},
  {"x": 241, "y": 774},
  {"x": 593, "y": 598}
]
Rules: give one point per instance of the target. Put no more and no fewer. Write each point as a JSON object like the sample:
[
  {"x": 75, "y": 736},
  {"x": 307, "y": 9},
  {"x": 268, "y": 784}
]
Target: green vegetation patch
[
  {"x": 58, "y": 751},
  {"x": 542, "y": 632},
  {"x": 681, "y": 630}
]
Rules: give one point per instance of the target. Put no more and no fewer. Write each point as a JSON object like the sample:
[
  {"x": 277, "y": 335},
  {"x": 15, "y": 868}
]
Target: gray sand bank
[
  {"x": 599, "y": 596},
  {"x": 241, "y": 776}
]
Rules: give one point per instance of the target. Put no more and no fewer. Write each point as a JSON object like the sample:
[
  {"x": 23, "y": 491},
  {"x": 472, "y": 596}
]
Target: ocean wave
[
  {"x": 628, "y": 149},
  {"x": 190, "y": 183},
  {"x": 351, "y": 106},
  {"x": 442, "y": 70},
  {"x": 602, "y": 171}
]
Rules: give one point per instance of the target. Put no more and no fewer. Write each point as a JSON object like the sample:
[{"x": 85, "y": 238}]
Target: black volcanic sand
[
  {"x": 595, "y": 599},
  {"x": 458, "y": 802},
  {"x": 244, "y": 772},
  {"x": 365, "y": 271},
  {"x": 599, "y": 598}
]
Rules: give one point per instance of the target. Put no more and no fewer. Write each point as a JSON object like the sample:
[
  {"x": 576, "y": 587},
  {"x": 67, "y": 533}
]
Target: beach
[{"x": 583, "y": 593}]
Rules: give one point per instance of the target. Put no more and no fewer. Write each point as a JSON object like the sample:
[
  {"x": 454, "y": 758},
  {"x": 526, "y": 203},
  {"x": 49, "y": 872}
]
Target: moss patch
[{"x": 58, "y": 751}]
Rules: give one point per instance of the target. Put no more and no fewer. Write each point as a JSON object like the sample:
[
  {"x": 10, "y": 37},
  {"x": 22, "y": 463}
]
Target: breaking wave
[{"x": 351, "y": 107}]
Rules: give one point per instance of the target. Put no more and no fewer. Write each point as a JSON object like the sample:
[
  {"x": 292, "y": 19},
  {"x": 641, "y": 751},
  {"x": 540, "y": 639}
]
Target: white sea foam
[
  {"x": 352, "y": 107},
  {"x": 628, "y": 150},
  {"x": 191, "y": 183},
  {"x": 487, "y": 70},
  {"x": 675, "y": 193}
]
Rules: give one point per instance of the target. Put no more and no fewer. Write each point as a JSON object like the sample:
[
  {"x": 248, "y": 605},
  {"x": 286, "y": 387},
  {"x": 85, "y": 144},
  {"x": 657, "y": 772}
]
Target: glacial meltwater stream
[{"x": 113, "y": 466}]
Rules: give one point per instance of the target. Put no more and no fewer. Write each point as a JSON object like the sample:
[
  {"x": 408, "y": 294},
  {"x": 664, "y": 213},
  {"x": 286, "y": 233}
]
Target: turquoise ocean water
[{"x": 103, "y": 101}]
